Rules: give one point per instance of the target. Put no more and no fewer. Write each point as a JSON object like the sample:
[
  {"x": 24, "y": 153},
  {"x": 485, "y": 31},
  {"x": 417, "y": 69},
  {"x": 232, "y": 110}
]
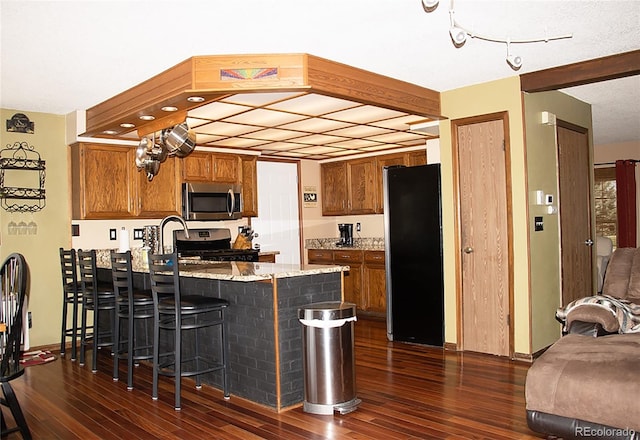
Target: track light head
[
  {"x": 430, "y": 5},
  {"x": 458, "y": 36},
  {"x": 515, "y": 61}
]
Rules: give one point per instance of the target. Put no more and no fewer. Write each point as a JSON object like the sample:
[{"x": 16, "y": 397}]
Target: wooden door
[
  {"x": 196, "y": 167},
  {"x": 386, "y": 161},
  {"x": 575, "y": 213},
  {"x": 225, "y": 168},
  {"x": 249, "y": 180},
  {"x": 485, "y": 296},
  {"x": 333, "y": 178},
  {"x": 353, "y": 278},
  {"x": 375, "y": 282},
  {"x": 104, "y": 178},
  {"x": 161, "y": 196},
  {"x": 361, "y": 186}
]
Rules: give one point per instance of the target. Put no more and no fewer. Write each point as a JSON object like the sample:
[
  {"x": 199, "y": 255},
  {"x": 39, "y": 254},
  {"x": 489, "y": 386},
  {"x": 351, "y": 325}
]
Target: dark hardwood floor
[{"x": 407, "y": 392}]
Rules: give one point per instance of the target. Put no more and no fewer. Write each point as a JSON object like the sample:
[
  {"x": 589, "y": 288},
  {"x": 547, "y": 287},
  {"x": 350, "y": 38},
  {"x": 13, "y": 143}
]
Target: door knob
[
  {"x": 468, "y": 250},
  {"x": 588, "y": 242}
]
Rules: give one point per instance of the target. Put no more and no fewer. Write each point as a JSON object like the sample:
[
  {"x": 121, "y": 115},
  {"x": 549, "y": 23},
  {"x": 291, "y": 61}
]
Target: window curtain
[{"x": 626, "y": 201}]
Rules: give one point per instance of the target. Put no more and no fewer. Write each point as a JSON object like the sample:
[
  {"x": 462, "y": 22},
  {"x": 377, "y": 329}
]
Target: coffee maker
[{"x": 346, "y": 234}]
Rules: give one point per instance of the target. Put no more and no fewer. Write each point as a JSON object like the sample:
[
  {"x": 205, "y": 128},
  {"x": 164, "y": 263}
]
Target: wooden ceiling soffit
[
  {"x": 216, "y": 76},
  {"x": 581, "y": 73}
]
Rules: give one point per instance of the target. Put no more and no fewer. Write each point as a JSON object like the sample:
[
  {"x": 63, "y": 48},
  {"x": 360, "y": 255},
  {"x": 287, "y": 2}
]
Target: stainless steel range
[{"x": 210, "y": 244}]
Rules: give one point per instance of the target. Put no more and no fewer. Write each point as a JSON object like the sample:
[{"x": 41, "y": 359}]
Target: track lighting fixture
[
  {"x": 459, "y": 35},
  {"x": 515, "y": 61},
  {"x": 430, "y": 5}
]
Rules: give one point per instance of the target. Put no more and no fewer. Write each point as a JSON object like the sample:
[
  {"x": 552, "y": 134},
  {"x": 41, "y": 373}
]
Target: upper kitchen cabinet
[
  {"x": 249, "y": 181},
  {"x": 410, "y": 159},
  {"x": 354, "y": 187},
  {"x": 203, "y": 166},
  {"x": 103, "y": 179},
  {"x": 333, "y": 177},
  {"x": 161, "y": 196},
  {"x": 361, "y": 186},
  {"x": 107, "y": 185}
]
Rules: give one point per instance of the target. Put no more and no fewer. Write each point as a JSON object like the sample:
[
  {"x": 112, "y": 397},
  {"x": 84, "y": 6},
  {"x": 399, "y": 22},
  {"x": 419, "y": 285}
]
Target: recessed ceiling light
[
  {"x": 195, "y": 99},
  {"x": 147, "y": 117},
  {"x": 169, "y": 108},
  {"x": 127, "y": 125},
  {"x": 110, "y": 132}
]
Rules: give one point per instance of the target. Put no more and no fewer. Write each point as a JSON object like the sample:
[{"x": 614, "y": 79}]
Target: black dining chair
[
  {"x": 133, "y": 306},
  {"x": 14, "y": 279},
  {"x": 186, "y": 316},
  {"x": 71, "y": 298},
  {"x": 99, "y": 299}
]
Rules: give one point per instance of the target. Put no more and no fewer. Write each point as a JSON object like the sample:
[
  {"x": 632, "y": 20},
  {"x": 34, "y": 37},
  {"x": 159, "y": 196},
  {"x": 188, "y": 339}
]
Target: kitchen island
[{"x": 263, "y": 331}]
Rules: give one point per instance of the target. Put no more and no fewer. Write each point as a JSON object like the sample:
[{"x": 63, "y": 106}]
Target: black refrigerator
[{"x": 413, "y": 251}]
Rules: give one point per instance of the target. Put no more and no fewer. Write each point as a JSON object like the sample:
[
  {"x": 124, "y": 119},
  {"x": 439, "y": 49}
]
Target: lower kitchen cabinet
[
  {"x": 374, "y": 278},
  {"x": 365, "y": 283},
  {"x": 353, "y": 278}
]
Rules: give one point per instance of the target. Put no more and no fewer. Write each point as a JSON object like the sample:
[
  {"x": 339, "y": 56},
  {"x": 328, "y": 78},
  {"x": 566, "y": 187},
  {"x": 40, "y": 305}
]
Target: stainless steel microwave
[{"x": 211, "y": 201}]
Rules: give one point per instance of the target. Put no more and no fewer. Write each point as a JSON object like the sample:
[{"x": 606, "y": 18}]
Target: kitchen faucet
[{"x": 166, "y": 220}]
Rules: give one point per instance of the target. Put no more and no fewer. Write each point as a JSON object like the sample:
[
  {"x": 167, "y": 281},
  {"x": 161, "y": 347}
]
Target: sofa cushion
[
  {"x": 616, "y": 281},
  {"x": 591, "y": 379},
  {"x": 633, "y": 293}
]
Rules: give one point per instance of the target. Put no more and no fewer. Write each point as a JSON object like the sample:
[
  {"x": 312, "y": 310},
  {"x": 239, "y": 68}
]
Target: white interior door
[{"x": 278, "y": 224}]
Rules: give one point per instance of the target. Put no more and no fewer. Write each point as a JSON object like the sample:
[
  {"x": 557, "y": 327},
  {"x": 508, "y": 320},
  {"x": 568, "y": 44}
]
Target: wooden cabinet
[
  {"x": 333, "y": 177},
  {"x": 107, "y": 185},
  {"x": 361, "y": 194},
  {"x": 161, "y": 196},
  {"x": 365, "y": 283},
  {"x": 353, "y": 278},
  {"x": 249, "y": 180},
  {"x": 374, "y": 280},
  {"x": 354, "y": 187},
  {"x": 103, "y": 179},
  {"x": 203, "y": 166},
  {"x": 386, "y": 161}
]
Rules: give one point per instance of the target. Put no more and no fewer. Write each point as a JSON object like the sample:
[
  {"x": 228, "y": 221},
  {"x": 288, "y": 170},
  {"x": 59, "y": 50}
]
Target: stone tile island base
[{"x": 264, "y": 333}]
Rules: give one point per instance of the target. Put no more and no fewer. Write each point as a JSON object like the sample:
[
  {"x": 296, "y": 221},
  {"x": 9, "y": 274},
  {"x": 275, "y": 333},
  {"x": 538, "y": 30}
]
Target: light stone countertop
[
  {"x": 363, "y": 244},
  {"x": 226, "y": 270}
]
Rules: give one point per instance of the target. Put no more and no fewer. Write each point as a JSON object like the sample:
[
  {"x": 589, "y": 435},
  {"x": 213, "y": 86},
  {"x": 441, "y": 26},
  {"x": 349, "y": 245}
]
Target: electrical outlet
[
  {"x": 138, "y": 233},
  {"x": 358, "y": 227},
  {"x": 29, "y": 319},
  {"x": 112, "y": 234}
]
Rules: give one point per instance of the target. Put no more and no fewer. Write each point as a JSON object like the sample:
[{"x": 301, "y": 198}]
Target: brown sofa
[
  {"x": 585, "y": 386},
  {"x": 622, "y": 282}
]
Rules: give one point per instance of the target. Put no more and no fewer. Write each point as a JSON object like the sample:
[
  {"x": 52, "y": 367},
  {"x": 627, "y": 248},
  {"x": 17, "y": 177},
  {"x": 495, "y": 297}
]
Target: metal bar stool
[
  {"x": 98, "y": 298},
  {"x": 72, "y": 296},
  {"x": 186, "y": 316},
  {"x": 132, "y": 305}
]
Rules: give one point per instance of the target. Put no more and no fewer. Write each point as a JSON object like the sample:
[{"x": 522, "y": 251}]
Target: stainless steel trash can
[{"x": 329, "y": 363}]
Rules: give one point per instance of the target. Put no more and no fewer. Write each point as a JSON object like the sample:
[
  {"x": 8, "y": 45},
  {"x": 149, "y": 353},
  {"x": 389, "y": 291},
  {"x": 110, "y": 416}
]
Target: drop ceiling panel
[
  {"x": 365, "y": 114},
  {"x": 265, "y": 118},
  {"x": 315, "y": 105}
]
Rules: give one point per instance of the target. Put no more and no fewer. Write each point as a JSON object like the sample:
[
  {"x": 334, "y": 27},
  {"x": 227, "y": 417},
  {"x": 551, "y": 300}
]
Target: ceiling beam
[{"x": 581, "y": 73}]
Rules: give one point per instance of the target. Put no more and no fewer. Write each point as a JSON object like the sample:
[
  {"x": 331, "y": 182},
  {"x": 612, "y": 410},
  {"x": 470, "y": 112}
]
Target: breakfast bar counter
[{"x": 263, "y": 330}]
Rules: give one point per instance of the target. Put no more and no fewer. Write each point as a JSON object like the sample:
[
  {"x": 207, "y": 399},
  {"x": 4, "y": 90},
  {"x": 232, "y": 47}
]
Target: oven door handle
[{"x": 231, "y": 202}]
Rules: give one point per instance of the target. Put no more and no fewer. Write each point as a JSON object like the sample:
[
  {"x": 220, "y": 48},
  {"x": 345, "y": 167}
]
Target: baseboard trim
[{"x": 450, "y": 346}]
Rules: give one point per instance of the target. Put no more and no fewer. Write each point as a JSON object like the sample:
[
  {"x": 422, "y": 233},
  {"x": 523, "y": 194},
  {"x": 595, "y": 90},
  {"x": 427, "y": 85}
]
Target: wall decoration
[
  {"x": 310, "y": 197},
  {"x": 20, "y": 123},
  {"x": 22, "y": 174},
  {"x": 248, "y": 74}
]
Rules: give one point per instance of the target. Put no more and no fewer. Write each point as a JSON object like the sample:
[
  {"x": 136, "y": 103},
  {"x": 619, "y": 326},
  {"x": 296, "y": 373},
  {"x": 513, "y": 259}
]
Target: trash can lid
[{"x": 328, "y": 311}]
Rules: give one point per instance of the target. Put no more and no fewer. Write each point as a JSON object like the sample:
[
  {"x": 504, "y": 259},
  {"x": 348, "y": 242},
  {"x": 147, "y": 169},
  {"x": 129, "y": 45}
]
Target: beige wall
[
  {"x": 542, "y": 170},
  {"x": 608, "y": 153},
  {"x": 41, "y": 250},
  {"x": 491, "y": 97}
]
